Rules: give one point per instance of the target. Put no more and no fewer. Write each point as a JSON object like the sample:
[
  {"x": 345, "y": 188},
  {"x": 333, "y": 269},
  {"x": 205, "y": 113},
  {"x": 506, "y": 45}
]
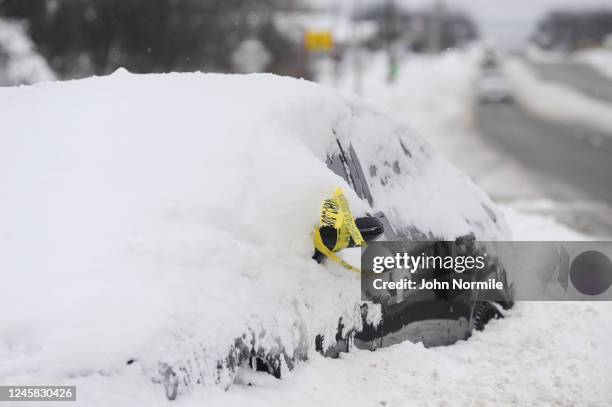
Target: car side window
[
  {"x": 383, "y": 172},
  {"x": 359, "y": 180},
  {"x": 346, "y": 164},
  {"x": 334, "y": 163}
]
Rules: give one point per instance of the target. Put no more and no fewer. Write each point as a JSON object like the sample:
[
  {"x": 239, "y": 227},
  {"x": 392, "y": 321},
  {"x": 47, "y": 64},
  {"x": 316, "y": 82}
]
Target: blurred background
[{"x": 518, "y": 94}]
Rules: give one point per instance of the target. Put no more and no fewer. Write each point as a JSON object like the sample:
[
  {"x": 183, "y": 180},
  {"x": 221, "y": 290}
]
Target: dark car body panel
[{"x": 433, "y": 318}]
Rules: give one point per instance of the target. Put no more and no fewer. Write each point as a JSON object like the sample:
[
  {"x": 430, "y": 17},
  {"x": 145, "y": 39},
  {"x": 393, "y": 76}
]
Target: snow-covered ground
[
  {"x": 541, "y": 354},
  {"x": 598, "y": 58},
  {"x": 554, "y": 101}
]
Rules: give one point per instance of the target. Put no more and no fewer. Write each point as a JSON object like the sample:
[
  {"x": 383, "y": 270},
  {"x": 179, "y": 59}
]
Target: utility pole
[
  {"x": 391, "y": 34},
  {"x": 355, "y": 51},
  {"x": 434, "y": 27}
]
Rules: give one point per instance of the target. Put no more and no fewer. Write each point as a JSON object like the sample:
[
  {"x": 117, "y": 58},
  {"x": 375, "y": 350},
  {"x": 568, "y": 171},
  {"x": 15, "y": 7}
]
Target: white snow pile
[
  {"x": 158, "y": 218},
  {"x": 435, "y": 91},
  {"x": 19, "y": 61},
  {"x": 557, "y": 102},
  {"x": 598, "y": 58},
  {"x": 541, "y": 354}
]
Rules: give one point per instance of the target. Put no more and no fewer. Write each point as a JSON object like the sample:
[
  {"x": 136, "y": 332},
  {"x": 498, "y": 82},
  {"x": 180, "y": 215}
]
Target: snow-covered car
[
  {"x": 161, "y": 225},
  {"x": 495, "y": 87}
]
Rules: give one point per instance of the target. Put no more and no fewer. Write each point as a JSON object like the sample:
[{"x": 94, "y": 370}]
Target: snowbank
[
  {"x": 433, "y": 90},
  {"x": 158, "y": 218},
  {"x": 600, "y": 59},
  {"x": 542, "y": 353},
  {"x": 538, "y": 227},
  {"x": 19, "y": 62},
  {"x": 557, "y": 102}
]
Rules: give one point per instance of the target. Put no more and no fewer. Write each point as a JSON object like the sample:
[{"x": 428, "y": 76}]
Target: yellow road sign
[{"x": 318, "y": 41}]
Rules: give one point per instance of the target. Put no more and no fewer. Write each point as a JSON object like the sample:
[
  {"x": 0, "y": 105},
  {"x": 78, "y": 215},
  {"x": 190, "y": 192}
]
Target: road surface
[
  {"x": 578, "y": 76},
  {"x": 578, "y": 156}
]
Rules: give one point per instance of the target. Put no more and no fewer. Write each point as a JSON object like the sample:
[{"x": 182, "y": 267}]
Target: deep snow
[
  {"x": 152, "y": 294},
  {"x": 544, "y": 354},
  {"x": 157, "y": 218}
]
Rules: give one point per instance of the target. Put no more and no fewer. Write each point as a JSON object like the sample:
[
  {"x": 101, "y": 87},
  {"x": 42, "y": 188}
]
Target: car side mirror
[{"x": 370, "y": 227}]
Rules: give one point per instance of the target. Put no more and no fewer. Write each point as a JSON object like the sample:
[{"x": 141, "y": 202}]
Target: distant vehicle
[
  {"x": 607, "y": 43},
  {"x": 490, "y": 60},
  {"x": 494, "y": 87}
]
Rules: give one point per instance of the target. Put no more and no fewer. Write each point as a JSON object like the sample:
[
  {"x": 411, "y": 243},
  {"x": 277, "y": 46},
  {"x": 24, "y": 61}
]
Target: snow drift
[
  {"x": 156, "y": 219},
  {"x": 555, "y": 101},
  {"x": 598, "y": 58}
]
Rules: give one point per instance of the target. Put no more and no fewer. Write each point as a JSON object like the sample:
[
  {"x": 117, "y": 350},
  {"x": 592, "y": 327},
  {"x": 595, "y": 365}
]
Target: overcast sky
[{"x": 503, "y": 21}]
